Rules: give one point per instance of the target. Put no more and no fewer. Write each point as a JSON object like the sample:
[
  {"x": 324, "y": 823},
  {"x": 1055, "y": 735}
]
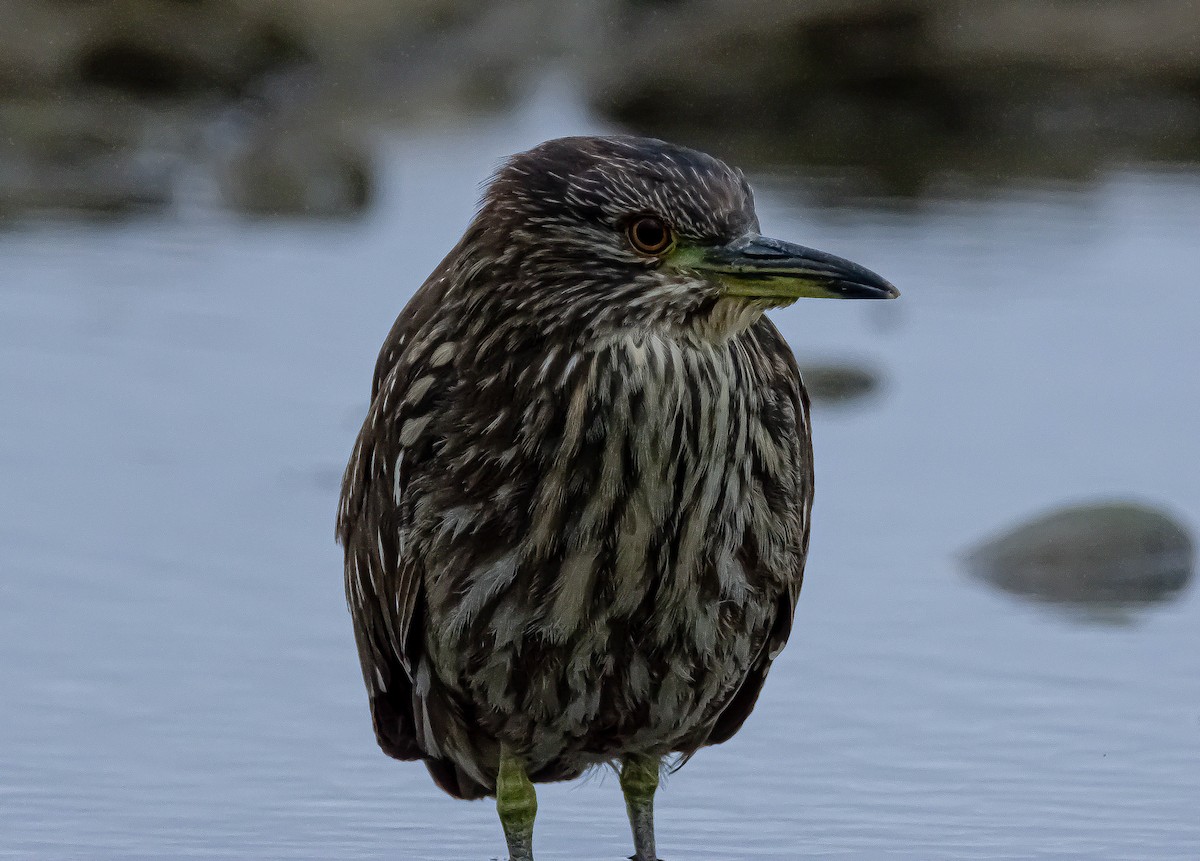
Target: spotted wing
[{"x": 384, "y": 579}]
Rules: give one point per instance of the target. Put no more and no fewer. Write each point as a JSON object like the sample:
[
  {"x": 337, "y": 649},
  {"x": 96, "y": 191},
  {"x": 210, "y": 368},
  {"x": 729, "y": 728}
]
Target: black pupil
[{"x": 650, "y": 233}]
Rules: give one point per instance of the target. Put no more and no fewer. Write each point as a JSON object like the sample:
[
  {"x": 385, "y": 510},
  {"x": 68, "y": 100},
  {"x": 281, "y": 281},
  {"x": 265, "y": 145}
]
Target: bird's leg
[
  {"x": 516, "y": 802},
  {"x": 639, "y": 780}
]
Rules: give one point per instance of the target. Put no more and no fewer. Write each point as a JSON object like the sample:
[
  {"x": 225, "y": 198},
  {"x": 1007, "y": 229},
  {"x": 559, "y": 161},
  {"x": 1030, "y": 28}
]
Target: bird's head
[{"x": 601, "y": 234}]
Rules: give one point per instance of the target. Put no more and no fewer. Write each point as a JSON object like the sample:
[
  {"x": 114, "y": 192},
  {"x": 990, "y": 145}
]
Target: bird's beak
[{"x": 756, "y": 267}]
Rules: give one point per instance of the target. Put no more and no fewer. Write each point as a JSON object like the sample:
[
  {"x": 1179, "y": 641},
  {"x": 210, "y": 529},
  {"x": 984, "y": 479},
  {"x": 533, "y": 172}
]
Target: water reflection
[
  {"x": 1098, "y": 561},
  {"x": 179, "y": 400}
]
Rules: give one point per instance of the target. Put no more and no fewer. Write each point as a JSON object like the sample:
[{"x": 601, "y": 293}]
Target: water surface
[{"x": 178, "y": 670}]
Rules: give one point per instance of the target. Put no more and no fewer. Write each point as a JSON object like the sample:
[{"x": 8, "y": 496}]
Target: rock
[
  {"x": 146, "y": 48},
  {"x": 907, "y": 94},
  {"x": 907, "y": 91},
  {"x": 297, "y": 172},
  {"x": 135, "y": 105},
  {"x": 79, "y": 157},
  {"x": 1099, "y": 555},
  {"x": 838, "y": 383}
]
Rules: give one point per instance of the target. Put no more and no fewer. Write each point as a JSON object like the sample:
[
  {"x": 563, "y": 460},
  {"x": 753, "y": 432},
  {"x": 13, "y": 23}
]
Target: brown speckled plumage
[{"x": 576, "y": 516}]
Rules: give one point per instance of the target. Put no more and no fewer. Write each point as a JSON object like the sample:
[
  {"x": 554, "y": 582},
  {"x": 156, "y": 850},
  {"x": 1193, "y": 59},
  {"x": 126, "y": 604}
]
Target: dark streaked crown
[{"x": 600, "y": 181}]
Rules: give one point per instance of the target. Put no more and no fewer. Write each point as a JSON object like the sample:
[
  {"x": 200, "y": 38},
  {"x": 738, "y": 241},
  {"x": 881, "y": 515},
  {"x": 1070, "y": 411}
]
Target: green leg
[
  {"x": 639, "y": 780},
  {"x": 516, "y": 802}
]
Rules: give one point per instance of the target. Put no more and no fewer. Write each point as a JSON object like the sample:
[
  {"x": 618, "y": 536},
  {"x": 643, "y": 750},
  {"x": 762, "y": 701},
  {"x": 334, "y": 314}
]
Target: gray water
[{"x": 177, "y": 670}]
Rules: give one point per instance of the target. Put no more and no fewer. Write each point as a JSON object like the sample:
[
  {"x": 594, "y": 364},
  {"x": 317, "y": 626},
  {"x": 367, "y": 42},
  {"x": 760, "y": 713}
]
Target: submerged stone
[
  {"x": 838, "y": 383},
  {"x": 1099, "y": 555}
]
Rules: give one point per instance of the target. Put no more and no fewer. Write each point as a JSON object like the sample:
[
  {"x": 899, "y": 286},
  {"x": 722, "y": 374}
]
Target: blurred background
[{"x": 212, "y": 210}]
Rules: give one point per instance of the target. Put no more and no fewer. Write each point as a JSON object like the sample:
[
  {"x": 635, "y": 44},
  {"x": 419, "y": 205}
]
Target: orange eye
[{"x": 649, "y": 235}]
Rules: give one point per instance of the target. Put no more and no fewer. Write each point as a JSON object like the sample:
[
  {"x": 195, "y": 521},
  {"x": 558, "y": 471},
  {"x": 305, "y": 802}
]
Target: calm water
[{"x": 178, "y": 673}]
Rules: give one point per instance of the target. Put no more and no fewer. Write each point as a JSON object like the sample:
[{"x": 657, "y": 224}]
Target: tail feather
[
  {"x": 454, "y": 781},
  {"x": 392, "y": 717}
]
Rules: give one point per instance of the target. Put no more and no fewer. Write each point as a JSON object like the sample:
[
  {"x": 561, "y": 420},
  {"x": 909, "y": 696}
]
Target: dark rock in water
[
  {"x": 149, "y": 106},
  {"x": 838, "y": 384},
  {"x": 1097, "y": 556},
  {"x": 81, "y": 158},
  {"x": 291, "y": 172}
]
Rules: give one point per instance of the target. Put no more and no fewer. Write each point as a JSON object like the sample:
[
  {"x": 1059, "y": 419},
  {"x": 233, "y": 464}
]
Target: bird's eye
[{"x": 649, "y": 235}]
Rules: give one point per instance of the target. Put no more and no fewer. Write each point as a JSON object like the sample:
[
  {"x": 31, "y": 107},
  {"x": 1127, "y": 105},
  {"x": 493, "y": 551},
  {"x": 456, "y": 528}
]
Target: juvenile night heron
[{"x": 576, "y": 516}]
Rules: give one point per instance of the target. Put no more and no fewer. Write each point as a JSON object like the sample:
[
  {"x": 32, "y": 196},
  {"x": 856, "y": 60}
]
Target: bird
[{"x": 576, "y": 516}]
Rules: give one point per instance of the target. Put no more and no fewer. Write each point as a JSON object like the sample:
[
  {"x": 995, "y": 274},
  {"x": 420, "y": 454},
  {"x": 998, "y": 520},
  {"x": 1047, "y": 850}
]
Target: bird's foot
[{"x": 639, "y": 781}]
